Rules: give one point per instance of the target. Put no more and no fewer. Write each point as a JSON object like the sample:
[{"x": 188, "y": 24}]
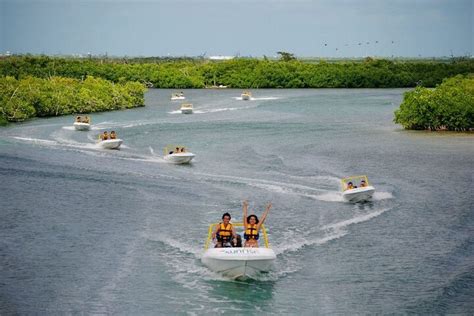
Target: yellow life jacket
[
  {"x": 225, "y": 232},
  {"x": 251, "y": 232}
]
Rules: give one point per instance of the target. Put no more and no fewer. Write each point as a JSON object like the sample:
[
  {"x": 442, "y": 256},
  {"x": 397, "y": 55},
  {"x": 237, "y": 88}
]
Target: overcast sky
[{"x": 339, "y": 28}]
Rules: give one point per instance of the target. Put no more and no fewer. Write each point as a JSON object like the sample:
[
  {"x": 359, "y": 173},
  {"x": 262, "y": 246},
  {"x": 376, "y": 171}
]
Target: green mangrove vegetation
[
  {"x": 28, "y": 97},
  {"x": 450, "y": 106},
  {"x": 244, "y": 73}
]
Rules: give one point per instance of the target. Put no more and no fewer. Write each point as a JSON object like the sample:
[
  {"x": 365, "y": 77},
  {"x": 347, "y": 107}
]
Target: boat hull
[
  {"x": 177, "y": 98},
  {"x": 239, "y": 262},
  {"x": 180, "y": 158},
  {"x": 245, "y": 97},
  {"x": 186, "y": 111},
  {"x": 358, "y": 194},
  {"x": 111, "y": 143},
  {"x": 79, "y": 126}
]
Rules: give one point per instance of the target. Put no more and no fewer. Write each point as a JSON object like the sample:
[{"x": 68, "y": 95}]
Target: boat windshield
[
  {"x": 355, "y": 181},
  {"x": 186, "y": 106},
  {"x": 239, "y": 227}
]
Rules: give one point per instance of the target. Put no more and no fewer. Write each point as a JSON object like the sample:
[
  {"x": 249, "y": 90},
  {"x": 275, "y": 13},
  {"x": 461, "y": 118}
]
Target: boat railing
[
  {"x": 345, "y": 181},
  {"x": 237, "y": 224}
]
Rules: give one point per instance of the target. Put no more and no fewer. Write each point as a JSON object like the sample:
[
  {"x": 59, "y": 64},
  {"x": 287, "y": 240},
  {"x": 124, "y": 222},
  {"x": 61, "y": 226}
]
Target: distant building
[{"x": 220, "y": 57}]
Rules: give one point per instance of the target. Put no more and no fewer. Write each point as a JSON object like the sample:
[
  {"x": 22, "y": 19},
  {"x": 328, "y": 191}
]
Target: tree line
[
  {"x": 242, "y": 72},
  {"x": 450, "y": 106},
  {"x": 29, "y": 96}
]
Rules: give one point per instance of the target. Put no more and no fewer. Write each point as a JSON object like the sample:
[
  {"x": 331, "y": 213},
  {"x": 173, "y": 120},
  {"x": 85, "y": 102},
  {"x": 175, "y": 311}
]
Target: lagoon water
[{"x": 86, "y": 230}]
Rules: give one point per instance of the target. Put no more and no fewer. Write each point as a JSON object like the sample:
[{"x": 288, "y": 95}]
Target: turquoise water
[{"x": 86, "y": 230}]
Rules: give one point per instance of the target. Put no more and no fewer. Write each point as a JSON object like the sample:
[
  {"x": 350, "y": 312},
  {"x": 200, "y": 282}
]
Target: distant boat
[
  {"x": 216, "y": 87},
  {"x": 82, "y": 123},
  {"x": 178, "y": 96},
  {"x": 177, "y": 154},
  {"x": 246, "y": 95},
  {"x": 186, "y": 108},
  {"x": 357, "y": 189}
]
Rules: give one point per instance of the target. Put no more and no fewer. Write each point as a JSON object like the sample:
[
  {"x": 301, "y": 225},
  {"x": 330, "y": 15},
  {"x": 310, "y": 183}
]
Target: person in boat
[
  {"x": 104, "y": 136},
  {"x": 350, "y": 186},
  {"x": 113, "y": 135},
  {"x": 87, "y": 120},
  {"x": 224, "y": 233},
  {"x": 363, "y": 183},
  {"x": 252, "y": 225},
  {"x": 177, "y": 150},
  {"x": 78, "y": 119},
  {"x": 183, "y": 150}
]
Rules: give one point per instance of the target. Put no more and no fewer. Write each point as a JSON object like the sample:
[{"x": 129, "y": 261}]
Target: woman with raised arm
[{"x": 252, "y": 225}]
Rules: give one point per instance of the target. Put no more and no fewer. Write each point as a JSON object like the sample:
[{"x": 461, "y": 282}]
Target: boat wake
[
  {"x": 355, "y": 220},
  {"x": 378, "y": 196},
  {"x": 257, "y": 99},
  {"x": 269, "y": 185},
  {"x": 321, "y": 190},
  {"x": 56, "y": 143},
  {"x": 207, "y": 110}
]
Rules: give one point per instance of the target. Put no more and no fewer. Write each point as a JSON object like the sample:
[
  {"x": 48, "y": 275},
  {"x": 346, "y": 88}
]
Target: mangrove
[
  {"x": 28, "y": 97},
  {"x": 243, "y": 73},
  {"x": 450, "y": 106}
]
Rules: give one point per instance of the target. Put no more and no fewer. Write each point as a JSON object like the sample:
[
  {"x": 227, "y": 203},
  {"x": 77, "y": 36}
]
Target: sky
[{"x": 307, "y": 28}]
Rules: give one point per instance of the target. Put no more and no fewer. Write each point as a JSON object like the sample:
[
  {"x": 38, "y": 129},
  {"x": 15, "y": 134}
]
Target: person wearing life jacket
[
  {"x": 104, "y": 136},
  {"x": 252, "y": 225},
  {"x": 224, "y": 234},
  {"x": 350, "y": 186}
]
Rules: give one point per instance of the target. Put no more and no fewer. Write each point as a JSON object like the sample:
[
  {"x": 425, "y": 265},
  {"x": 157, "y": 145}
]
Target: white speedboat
[
  {"x": 177, "y": 155},
  {"x": 186, "y": 108},
  {"x": 80, "y": 126},
  {"x": 178, "y": 96},
  {"x": 246, "y": 95},
  {"x": 357, "y": 189},
  {"x": 239, "y": 262},
  {"x": 110, "y": 143},
  {"x": 82, "y": 123}
]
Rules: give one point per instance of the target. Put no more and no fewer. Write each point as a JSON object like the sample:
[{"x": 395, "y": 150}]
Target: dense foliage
[
  {"x": 30, "y": 96},
  {"x": 242, "y": 72},
  {"x": 448, "y": 107}
]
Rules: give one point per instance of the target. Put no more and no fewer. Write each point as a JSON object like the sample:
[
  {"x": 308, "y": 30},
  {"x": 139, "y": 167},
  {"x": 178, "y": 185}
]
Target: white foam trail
[
  {"x": 382, "y": 196},
  {"x": 103, "y": 125},
  {"x": 69, "y": 128},
  {"x": 204, "y": 111},
  {"x": 257, "y": 99},
  {"x": 174, "y": 243},
  {"x": 271, "y": 185},
  {"x": 332, "y": 196},
  {"x": 265, "y": 98},
  {"x": 355, "y": 220},
  {"x": 55, "y": 143},
  {"x": 143, "y": 123},
  {"x": 155, "y": 159},
  {"x": 37, "y": 140},
  {"x": 299, "y": 243},
  {"x": 151, "y": 150}
]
